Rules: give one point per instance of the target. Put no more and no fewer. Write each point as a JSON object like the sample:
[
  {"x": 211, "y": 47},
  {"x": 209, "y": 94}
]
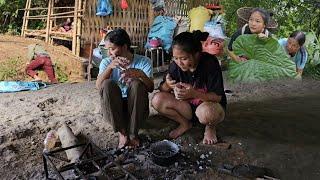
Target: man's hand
[
  {"x": 119, "y": 62},
  {"x": 132, "y": 73}
]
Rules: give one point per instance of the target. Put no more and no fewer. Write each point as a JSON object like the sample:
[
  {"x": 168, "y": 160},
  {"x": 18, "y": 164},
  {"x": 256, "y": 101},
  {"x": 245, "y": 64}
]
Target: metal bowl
[{"x": 164, "y": 153}]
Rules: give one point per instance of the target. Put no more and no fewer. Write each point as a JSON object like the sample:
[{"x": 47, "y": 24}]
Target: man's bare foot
[
  {"x": 210, "y": 136},
  {"x": 182, "y": 128},
  {"x": 123, "y": 140},
  {"x": 134, "y": 143}
]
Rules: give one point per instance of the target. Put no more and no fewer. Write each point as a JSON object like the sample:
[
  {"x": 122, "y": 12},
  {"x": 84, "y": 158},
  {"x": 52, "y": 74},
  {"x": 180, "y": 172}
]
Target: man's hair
[{"x": 119, "y": 37}]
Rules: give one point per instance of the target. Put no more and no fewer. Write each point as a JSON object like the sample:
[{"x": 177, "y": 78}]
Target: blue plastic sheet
[
  {"x": 16, "y": 86},
  {"x": 162, "y": 28}
]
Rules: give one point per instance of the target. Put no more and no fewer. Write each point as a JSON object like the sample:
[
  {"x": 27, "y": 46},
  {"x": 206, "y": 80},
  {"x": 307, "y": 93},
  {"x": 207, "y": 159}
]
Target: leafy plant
[
  {"x": 60, "y": 73},
  {"x": 313, "y": 64},
  {"x": 266, "y": 60},
  {"x": 290, "y": 14},
  {"x": 10, "y": 69}
]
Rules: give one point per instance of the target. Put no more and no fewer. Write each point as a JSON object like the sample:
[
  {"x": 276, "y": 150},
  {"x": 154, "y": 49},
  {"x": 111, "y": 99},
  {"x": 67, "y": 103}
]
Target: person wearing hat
[
  {"x": 257, "y": 24},
  {"x": 293, "y": 46}
]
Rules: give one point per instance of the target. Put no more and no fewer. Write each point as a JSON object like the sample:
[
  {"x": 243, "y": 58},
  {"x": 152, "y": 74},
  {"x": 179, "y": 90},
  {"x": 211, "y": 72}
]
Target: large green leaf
[{"x": 267, "y": 60}]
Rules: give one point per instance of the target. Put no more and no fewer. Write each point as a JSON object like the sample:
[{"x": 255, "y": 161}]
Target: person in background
[
  {"x": 101, "y": 52},
  {"x": 258, "y": 21},
  {"x": 66, "y": 26},
  {"x": 193, "y": 89},
  {"x": 293, "y": 46},
  {"x": 124, "y": 81},
  {"x": 210, "y": 44},
  {"x": 39, "y": 59}
]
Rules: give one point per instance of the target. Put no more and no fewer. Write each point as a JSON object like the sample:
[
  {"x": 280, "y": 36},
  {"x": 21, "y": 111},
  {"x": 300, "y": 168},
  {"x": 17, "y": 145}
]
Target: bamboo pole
[
  {"x": 51, "y": 21},
  {"x": 25, "y": 18},
  {"x": 74, "y": 30},
  {"x": 89, "y": 67},
  {"x": 61, "y": 17},
  {"x": 48, "y": 21},
  {"x": 35, "y": 8},
  {"x": 69, "y": 12},
  {"x": 52, "y": 16},
  {"x": 78, "y": 27}
]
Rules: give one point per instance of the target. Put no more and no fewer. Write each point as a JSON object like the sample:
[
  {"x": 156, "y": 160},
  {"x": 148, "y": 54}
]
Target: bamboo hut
[{"x": 136, "y": 19}]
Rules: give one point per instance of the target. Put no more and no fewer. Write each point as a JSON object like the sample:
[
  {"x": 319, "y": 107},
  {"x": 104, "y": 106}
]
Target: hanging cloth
[
  {"x": 104, "y": 8},
  {"x": 124, "y": 4}
]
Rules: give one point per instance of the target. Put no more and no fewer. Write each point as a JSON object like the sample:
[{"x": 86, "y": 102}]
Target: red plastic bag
[{"x": 124, "y": 4}]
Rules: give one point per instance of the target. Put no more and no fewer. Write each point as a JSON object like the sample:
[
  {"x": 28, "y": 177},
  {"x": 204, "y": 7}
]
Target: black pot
[{"x": 164, "y": 153}]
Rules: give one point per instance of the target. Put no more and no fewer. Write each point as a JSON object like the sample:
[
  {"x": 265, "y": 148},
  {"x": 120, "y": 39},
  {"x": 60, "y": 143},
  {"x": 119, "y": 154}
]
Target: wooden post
[
  {"x": 79, "y": 25},
  {"x": 89, "y": 67},
  {"x": 48, "y": 21},
  {"x": 25, "y": 18},
  {"x": 51, "y": 21},
  {"x": 74, "y": 30}
]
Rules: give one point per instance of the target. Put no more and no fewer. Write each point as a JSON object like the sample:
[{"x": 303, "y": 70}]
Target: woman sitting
[{"x": 258, "y": 21}]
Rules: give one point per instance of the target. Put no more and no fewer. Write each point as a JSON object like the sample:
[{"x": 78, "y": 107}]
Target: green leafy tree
[
  {"x": 11, "y": 14},
  {"x": 290, "y": 14}
]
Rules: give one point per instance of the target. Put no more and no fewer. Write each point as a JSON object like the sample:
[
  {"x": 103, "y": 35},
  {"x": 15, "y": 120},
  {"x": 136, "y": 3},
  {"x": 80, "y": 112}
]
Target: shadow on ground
[{"x": 280, "y": 134}]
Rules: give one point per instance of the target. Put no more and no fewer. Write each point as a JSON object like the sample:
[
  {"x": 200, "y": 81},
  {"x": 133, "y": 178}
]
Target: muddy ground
[{"x": 273, "y": 125}]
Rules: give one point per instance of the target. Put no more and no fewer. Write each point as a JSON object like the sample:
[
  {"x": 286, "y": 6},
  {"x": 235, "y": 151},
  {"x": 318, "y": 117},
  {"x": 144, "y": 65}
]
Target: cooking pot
[{"x": 164, "y": 153}]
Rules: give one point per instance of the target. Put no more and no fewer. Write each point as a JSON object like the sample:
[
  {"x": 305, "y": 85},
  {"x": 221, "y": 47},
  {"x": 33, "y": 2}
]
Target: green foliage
[
  {"x": 312, "y": 68},
  {"x": 9, "y": 69},
  {"x": 267, "y": 60},
  {"x": 11, "y": 15},
  {"x": 60, "y": 73},
  {"x": 290, "y": 14}
]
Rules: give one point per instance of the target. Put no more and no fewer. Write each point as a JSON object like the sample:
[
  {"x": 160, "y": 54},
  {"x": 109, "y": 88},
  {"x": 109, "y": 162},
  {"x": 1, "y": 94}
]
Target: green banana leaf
[{"x": 267, "y": 60}]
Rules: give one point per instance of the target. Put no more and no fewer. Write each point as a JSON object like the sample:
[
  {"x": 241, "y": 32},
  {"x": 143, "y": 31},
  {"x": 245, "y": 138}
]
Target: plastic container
[{"x": 50, "y": 140}]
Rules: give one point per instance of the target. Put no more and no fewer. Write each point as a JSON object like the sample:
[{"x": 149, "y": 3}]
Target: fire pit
[{"x": 164, "y": 153}]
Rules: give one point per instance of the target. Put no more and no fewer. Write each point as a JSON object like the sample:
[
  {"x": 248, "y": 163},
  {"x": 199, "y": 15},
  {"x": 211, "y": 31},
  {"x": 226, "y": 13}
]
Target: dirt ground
[{"x": 273, "y": 125}]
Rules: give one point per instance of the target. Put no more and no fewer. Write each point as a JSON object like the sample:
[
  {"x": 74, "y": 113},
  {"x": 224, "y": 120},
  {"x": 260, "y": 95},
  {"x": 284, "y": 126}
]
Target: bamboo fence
[{"x": 136, "y": 20}]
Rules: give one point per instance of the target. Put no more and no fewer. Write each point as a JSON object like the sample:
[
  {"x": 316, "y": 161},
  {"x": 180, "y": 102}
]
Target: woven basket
[{"x": 243, "y": 15}]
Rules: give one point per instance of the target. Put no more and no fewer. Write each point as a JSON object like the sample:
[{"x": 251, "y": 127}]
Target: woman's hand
[
  {"x": 242, "y": 58},
  {"x": 262, "y": 35},
  {"x": 183, "y": 91},
  {"x": 170, "y": 82}
]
